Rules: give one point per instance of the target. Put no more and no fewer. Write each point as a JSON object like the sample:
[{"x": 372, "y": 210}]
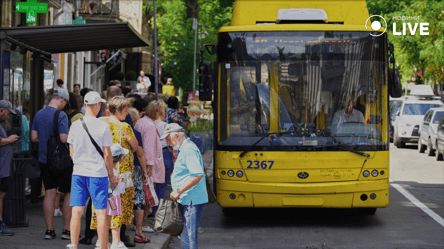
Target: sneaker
[
  {"x": 119, "y": 245},
  {"x": 147, "y": 229},
  {"x": 98, "y": 245},
  {"x": 4, "y": 230},
  {"x": 66, "y": 234},
  {"x": 50, "y": 234},
  {"x": 71, "y": 246},
  {"x": 57, "y": 212},
  {"x": 133, "y": 227}
]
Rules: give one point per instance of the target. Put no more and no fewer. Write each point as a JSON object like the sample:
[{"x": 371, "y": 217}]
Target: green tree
[
  {"x": 418, "y": 56},
  {"x": 176, "y": 35}
]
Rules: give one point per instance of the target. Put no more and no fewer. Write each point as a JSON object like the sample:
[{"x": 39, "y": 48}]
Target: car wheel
[
  {"x": 439, "y": 156},
  {"x": 421, "y": 147},
  {"x": 431, "y": 151},
  {"x": 397, "y": 141},
  {"x": 366, "y": 211}
]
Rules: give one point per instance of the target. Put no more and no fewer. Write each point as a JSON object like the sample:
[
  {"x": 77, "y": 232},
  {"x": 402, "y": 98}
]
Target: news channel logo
[{"x": 376, "y": 24}]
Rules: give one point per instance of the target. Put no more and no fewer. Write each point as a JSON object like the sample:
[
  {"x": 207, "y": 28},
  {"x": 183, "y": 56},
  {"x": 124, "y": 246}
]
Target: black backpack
[{"x": 58, "y": 159}]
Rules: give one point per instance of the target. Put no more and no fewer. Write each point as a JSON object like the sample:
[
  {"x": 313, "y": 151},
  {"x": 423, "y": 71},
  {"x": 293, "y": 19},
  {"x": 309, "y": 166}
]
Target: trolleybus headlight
[
  {"x": 365, "y": 174},
  {"x": 223, "y": 172},
  {"x": 373, "y": 196},
  {"x": 382, "y": 172},
  {"x": 239, "y": 174},
  {"x": 230, "y": 173},
  {"x": 232, "y": 196},
  {"x": 375, "y": 173}
]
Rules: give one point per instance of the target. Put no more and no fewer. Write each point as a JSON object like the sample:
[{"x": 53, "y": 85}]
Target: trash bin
[{"x": 14, "y": 204}]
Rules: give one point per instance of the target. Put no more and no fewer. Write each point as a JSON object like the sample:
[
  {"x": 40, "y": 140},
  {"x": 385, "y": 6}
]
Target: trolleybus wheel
[{"x": 367, "y": 211}]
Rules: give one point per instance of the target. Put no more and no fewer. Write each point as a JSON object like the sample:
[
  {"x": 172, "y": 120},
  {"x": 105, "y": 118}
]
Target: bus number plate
[{"x": 260, "y": 164}]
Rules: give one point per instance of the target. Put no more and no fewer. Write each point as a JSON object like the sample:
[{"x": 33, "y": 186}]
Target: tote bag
[{"x": 169, "y": 218}]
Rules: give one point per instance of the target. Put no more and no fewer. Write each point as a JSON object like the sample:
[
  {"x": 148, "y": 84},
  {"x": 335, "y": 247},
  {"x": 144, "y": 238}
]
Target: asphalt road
[{"x": 401, "y": 225}]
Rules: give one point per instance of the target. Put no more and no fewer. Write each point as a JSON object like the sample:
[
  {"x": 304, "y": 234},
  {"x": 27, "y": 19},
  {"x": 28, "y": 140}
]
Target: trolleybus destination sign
[{"x": 31, "y": 8}]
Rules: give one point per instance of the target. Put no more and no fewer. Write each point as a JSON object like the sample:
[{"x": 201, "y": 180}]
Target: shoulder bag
[
  {"x": 58, "y": 157},
  {"x": 169, "y": 218}
]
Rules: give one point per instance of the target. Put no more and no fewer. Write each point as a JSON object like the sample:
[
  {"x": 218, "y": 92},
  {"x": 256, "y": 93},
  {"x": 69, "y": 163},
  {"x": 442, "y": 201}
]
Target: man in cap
[
  {"x": 89, "y": 145},
  {"x": 5, "y": 160},
  {"x": 42, "y": 129},
  {"x": 188, "y": 182}
]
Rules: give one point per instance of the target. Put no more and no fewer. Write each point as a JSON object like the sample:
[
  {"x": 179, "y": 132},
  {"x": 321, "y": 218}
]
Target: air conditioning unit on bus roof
[{"x": 301, "y": 15}]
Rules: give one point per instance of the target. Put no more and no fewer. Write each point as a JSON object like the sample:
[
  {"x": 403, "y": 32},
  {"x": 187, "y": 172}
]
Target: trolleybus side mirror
[
  {"x": 205, "y": 78},
  {"x": 394, "y": 84}
]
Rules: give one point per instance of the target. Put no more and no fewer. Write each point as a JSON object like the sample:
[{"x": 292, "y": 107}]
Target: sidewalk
[{"x": 32, "y": 237}]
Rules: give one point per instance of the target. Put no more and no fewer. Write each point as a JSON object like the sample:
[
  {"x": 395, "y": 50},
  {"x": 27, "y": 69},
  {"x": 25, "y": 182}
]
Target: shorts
[
  {"x": 50, "y": 181},
  {"x": 4, "y": 184},
  {"x": 97, "y": 187},
  {"x": 139, "y": 191}
]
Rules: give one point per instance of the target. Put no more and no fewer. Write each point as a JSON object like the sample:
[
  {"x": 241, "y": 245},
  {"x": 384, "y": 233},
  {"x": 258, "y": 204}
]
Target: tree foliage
[
  {"x": 421, "y": 52},
  {"x": 176, "y": 36}
]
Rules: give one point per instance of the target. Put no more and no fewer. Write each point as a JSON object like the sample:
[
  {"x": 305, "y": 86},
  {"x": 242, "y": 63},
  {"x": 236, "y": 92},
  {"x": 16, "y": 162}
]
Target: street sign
[{"x": 31, "y": 8}]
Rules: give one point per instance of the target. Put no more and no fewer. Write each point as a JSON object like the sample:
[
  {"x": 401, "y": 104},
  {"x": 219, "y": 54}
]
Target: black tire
[
  {"x": 439, "y": 156},
  {"x": 366, "y": 211},
  {"x": 431, "y": 151},
  {"x": 397, "y": 141},
  {"x": 229, "y": 212},
  {"x": 421, "y": 147}
]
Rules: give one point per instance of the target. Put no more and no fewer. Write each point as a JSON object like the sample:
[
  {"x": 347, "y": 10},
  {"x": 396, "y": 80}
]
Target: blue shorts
[{"x": 97, "y": 187}]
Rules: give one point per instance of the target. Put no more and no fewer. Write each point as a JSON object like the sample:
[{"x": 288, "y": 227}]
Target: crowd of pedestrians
[{"x": 118, "y": 143}]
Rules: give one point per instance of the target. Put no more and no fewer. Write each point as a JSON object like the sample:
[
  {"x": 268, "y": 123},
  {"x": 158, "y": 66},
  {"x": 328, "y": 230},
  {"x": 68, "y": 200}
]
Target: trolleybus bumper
[{"x": 332, "y": 195}]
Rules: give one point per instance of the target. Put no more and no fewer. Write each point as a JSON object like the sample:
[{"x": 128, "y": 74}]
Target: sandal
[{"x": 141, "y": 239}]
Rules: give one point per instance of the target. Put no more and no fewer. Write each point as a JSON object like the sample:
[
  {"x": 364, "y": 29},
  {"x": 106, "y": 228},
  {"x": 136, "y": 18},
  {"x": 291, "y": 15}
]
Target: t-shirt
[
  {"x": 43, "y": 121},
  {"x": 341, "y": 117},
  {"x": 5, "y": 156},
  {"x": 141, "y": 88},
  {"x": 86, "y": 158},
  {"x": 146, "y": 80}
]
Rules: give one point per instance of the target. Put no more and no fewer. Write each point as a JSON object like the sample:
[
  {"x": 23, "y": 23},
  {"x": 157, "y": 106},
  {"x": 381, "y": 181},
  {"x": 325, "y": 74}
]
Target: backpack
[
  {"x": 70, "y": 116},
  {"x": 59, "y": 161}
]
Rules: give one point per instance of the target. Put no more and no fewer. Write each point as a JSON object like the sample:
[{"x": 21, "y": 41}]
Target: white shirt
[
  {"x": 340, "y": 117},
  {"x": 160, "y": 128},
  {"x": 87, "y": 160},
  {"x": 142, "y": 88}
]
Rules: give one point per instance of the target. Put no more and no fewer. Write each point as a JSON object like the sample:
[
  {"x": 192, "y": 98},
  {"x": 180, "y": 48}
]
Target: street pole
[
  {"x": 195, "y": 45},
  {"x": 156, "y": 70}
]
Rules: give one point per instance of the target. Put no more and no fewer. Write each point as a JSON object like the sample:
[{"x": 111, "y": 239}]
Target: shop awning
[{"x": 76, "y": 37}]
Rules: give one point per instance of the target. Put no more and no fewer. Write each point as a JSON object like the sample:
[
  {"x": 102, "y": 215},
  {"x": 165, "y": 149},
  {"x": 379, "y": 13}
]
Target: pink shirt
[{"x": 152, "y": 148}]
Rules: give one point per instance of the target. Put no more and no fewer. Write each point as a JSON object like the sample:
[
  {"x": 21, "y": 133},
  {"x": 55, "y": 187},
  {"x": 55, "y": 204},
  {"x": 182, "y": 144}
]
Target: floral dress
[{"x": 126, "y": 166}]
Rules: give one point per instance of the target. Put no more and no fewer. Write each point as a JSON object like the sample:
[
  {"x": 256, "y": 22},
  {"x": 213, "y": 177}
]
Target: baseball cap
[
  {"x": 7, "y": 105},
  {"x": 117, "y": 150},
  {"x": 172, "y": 128},
  {"x": 61, "y": 93},
  {"x": 93, "y": 97}
]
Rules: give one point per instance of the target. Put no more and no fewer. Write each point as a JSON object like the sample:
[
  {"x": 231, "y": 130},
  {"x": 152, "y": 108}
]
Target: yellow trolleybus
[{"x": 301, "y": 93}]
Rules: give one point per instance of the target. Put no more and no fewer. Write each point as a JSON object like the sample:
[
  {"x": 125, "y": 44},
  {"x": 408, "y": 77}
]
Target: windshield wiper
[
  {"x": 340, "y": 146},
  {"x": 264, "y": 136}
]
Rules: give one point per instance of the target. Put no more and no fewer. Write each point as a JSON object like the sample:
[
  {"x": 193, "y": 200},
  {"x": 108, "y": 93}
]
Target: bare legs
[
  {"x": 67, "y": 212},
  {"x": 103, "y": 225},
  {"x": 75, "y": 224},
  {"x": 139, "y": 221},
  {"x": 57, "y": 201},
  {"x": 116, "y": 235},
  {"x": 48, "y": 207}
]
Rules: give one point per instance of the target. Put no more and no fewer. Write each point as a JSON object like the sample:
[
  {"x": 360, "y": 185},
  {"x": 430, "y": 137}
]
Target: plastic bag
[{"x": 151, "y": 199}]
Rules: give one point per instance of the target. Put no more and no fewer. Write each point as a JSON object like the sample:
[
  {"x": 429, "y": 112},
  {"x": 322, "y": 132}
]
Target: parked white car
[
  {"x": 411, "y": 113},
  {"x": 428, "y": 131}
]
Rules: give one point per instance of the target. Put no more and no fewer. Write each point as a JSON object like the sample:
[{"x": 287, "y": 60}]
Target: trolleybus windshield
[{"x": 327, "y": 86}]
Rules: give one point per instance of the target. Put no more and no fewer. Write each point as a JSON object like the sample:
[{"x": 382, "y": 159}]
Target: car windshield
[
  {"x": 326, "y": 86},
  {"x": 418, "y": 109},
  {"x": 394, "y": 107},
  {"x": 438, "y": 117}
]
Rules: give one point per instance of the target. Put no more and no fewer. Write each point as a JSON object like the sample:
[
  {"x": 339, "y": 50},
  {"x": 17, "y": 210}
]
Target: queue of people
[{"x": 117, "y": 144}]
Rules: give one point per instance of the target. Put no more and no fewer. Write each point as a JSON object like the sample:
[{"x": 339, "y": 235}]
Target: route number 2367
[{"x": 259, "y": 164}]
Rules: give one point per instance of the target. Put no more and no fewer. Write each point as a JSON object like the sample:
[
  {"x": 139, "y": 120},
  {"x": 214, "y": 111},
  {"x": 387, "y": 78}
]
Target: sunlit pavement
[{"x": 401, "y": 225}]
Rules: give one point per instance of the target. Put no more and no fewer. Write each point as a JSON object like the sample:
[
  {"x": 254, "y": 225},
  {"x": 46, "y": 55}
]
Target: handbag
[
  {"x": 169, "y": 218},
  {"x": 211, "y": 196},
  {"x": 58, "y": 156},
  {"x": 150, "y": 194},
  {"x": 113, "y": 206}
]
